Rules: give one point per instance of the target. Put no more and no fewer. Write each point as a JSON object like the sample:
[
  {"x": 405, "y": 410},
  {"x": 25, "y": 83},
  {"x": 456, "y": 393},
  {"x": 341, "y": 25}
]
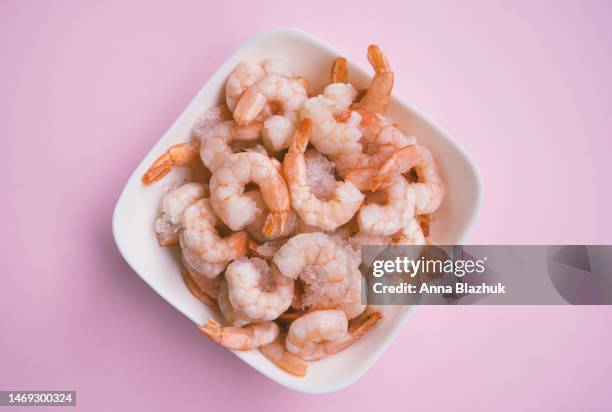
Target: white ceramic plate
[{"x": 138, "y": 206}]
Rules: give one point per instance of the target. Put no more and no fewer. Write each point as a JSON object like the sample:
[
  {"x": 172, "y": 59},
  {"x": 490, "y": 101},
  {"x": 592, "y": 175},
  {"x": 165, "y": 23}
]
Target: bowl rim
[{"x": 390, "y": 338}]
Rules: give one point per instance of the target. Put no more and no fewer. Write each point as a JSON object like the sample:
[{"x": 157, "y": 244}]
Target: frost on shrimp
[
  {"x": 238, "y": 210},
  {"x": 258, "y": 291},
  {"x": 241, "y": 338},
  {"x": 324, "y": 332},
  {"x": 328, "y": 214},
  {"x": 429, "y": 190},
  {"x": 202, "y": 246},
  {"x": 324, "y": 267},
  {"x": 174, "y": 203}
]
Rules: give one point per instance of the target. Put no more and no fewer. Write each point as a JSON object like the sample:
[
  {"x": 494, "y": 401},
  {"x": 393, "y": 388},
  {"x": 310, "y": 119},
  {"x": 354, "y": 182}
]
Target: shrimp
[
  {"x": 245, "y": 75},
  {"x": 277, "y": 353},
  {"x": 202, "y": 246},
  {"x": 231, "y": 315},
  {"x": 329, "y": 136},
  {"x": 174, "y": 203},
  {"x": 288, "y": 93},
  {"x": 353, "y": 305},
  {"x": 255, "y": 229},
  {"x": 324, "y": 332},
  {"x": 325, "y": 214},
  {"x": 241, "y": 338},
  {"x": 196, "y": 291},
  {"x": 182, "y": 154},
  {"x": 323, "y": 265},
  {"x": 386, "y": 219},
  {"x": 278, "y": 130},
  {"x": 380, "y": 140},
  {"x": 259, "y": 292},
  {"x": 205, "y": 284},
  {"x": 429, "y": 190},
  {"x": 378, "y": 94},
  {"x": 237, "y": 210},
  {"x": 215, "y": 141}
]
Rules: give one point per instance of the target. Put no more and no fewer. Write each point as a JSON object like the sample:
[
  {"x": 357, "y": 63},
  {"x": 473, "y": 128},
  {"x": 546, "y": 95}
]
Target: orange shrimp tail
[
  {"x": 382, "y": 180},
  {"x": 339, "y": 71},
  {"x": 360, "y": 326},
  {"x": 239, "y": 244},
  {"x": 292, "y": 364},
  {"x": 213, "y": 330},
  {"x": 178, "y": 155},
  {"x": 301, "y": 136},
  {"x": 363, "y": 179},
  {"x": 304, "y": 81},
  {"x": 275, "y": 223},
  {"x": 377, "y": 59},
  {"x": 196, "y": 291}
]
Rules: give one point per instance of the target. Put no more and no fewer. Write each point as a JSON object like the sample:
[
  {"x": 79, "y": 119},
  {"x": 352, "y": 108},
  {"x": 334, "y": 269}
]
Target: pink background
[{"x": 88, "y": 88}]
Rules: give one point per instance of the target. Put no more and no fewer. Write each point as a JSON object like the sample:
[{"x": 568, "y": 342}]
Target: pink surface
[{"x": 87, "y": 90}]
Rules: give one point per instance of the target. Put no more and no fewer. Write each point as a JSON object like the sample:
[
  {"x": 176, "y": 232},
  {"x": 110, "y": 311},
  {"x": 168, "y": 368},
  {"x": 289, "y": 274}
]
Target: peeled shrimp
[
  {"x": 380, "y": 140},
  {"x": 325, "y": 214},
  {"x": 237, "y": 210},
  {"x": 174, "y": 203},
  {"x": 215, "y": 141},
  {"x": 231, "y": 315},
  {"x": 241, "y": 338},
  {"x": 197, "y": 291},
  {"x": 388, "y": 218},
  {"x": 353, "y": 304},
  {"x": 278, "y": 130},
  {"x": 329, "y": 136},
  {"x": 245, "y": 75},
  {"x": 323, "y": 265},
  {"x": 202, "y": 246},
  {"x": 288, "y": 93},
  {"x": 205, "y": 284},
  {"x": 278, "y": 354},
  {"x": 255, "y": 229},
  {"x": 429, "y": 190},
  {"x": 324, "y": 332},
  {"x": 259, "y": 292}
]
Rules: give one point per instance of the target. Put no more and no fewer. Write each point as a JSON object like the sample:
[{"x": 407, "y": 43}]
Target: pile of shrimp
[{"x": 287, "y": 185}]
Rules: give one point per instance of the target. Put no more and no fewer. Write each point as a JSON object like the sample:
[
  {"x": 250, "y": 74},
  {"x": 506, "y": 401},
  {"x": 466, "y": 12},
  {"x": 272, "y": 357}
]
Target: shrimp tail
[
  {"x": 401, "y": 162},
  {"x": 178, "y": 155},
  {"x": 275, "y": 223},
  {"x": 286, "y": 360},
  {"x": 196, "y": 291},
  {"x": 378, "y": 60},
  {"x": 339, "y": 71},
  {"x": 362, "y": 324},
  {"x": 251, "y": 103},
  {"x": 301, "y": 136},
  {"x": 230, "y": 337},
  {"x": 239, "y": 243},
  {"x": 304, "y": 82},
  {"x": 363, "y": 179},
  {"x": 377, "y": 96}
]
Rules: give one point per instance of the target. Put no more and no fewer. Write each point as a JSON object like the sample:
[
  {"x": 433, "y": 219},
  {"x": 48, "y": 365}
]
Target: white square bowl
[{"x": 159, "y": 267}]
